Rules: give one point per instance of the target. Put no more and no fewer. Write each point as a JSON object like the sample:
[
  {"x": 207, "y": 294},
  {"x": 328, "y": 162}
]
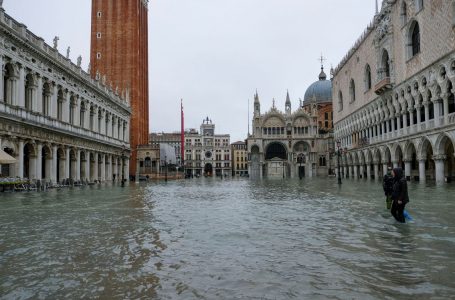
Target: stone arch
[
  {"x": 73, "y": 164},
  {"x": 386, "y": 155},
  {"x": 7, "y": 144},
  {"x": 276, "y": 150},
  {"x": 424, "y": 146},
  {"x": 29, "y": 164},
  {"x": 441, "y": 143},
  {"x": 10, "y": 74}
]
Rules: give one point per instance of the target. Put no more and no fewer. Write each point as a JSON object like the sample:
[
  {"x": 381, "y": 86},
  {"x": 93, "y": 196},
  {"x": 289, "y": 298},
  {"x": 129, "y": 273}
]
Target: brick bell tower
[{"x": 119, "y": 50}]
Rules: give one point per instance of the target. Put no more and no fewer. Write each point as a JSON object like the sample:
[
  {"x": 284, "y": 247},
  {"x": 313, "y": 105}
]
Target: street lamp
[
  {"x": 123, "y": 166},
  {"x": 339, "y": 155}
]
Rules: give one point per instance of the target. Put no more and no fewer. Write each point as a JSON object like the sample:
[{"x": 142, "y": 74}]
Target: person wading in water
[
  {"x": 399, "y": 195},
  {"x": 387, "y": 185}
]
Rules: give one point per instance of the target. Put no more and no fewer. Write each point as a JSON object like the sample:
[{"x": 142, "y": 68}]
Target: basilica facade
[
  {"x": 293, "y": 144},
  {"x": 394, "y": 94},
  {"x": 55, "y": 120}
]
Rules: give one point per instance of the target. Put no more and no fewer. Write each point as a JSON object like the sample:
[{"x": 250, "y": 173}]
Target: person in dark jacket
[
  {"x": 399, "y": 194},
  {"x": 387, "y": 185}
]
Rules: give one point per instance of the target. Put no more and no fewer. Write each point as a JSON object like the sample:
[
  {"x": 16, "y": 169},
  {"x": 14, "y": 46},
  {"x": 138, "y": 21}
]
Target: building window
[
  {"x": 98, "y": 14},
  {"x": 418, "y": 5},
  {"x": 98, "y": 55},
  {"x": 415, "y": 38},
  {"x": 98, "y": 35},
  {"x": 453, "y": 13},
  {"x": 340, "y": 101},
  {"x": 367, "y": 78},
  {"x": 404, "y": 13},
  {"x": 322, "y": 161},
  {"x": 352, "y": 90},
  {"x": 385, "y": 72}
]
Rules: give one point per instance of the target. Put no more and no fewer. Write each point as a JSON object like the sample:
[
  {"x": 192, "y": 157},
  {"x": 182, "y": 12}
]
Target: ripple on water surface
[{"x": 227, "y": 239}]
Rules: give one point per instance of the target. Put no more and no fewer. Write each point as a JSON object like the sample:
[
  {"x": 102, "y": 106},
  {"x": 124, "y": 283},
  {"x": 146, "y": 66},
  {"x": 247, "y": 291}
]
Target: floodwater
[{"x": 227, "y": 239}]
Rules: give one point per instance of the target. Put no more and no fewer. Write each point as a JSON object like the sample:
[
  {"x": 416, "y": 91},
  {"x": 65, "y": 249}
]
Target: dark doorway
[
  {"x": 301, "y": 172},
  {"x": 208, "y": 170}
]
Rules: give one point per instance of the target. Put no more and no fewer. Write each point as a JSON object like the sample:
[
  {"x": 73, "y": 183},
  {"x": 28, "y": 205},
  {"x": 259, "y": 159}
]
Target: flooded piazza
[{"x": 227, "y": 239}]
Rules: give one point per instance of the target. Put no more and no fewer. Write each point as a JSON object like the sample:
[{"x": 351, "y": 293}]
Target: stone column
[
  {"x": 384, "y": 169},
  {"x": 407, "y": 169},
  {"x": 20, "y": 88},
  {"x": 437, "y": 111},
  {"x": 345, "y": 171},
  {"x": 95, "y": 171},
  {"x": 39, "y": 166},
  {"x": 53, "y": 105},
  {"x": 109, "y": 168},
  {"x": 38, "y": 105},
  {"x": 419, "y": 119},
  {"x": 67, "y": 163},
  {"x": 87, "y": 166},
  {"x": 20, "y": 164},
  {"x": 395, "y": 163},
  {"x": 137, "y": 170},
  {"x": 427, "y": 114},
  {"x": 398, "y": 122},
  {"x": 2, "y": 87},
  {"x": 422, "y": 175},
  {"x": 439, "y": 168},
  {"x": 78, "y": 164},
  {"x": 354, "y": 172},
  {"x": 361, "y": 175},
  {"x": 54, "y": 165},
  {"x": 66, "y": 107},
  {"x": 103, "y": 167},
  {"x": 445, "y": 100},
  {"x": 405, "y": 120},
  {"x": 376, "y": 171},
  {"x": 127, "y": 168},
  {"x": 368, "y": 171}
]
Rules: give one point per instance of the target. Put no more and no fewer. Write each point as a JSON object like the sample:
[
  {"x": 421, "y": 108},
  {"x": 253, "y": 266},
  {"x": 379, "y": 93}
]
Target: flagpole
[{"x": 182, "y": 138}]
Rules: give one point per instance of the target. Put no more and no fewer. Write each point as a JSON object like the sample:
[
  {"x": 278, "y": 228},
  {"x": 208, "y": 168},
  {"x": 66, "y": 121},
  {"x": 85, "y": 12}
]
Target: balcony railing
[{"x": 34, "y": 119}]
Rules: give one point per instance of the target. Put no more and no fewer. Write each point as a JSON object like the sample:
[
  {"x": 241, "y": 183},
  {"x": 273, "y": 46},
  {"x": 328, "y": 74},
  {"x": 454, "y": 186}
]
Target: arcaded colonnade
[{"x": 55, "y": 119}]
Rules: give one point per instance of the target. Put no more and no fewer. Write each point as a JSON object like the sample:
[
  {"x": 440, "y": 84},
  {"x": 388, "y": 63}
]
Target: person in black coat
[
  {"x": 399, "y": 194},
  {"x": 387, "y": 185}
]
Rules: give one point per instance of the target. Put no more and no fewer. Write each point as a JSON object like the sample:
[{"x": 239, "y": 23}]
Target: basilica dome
[{"x": 320, "y": 91}]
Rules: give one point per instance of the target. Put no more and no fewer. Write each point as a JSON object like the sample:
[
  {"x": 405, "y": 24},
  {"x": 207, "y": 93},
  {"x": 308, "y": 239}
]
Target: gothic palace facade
[
  {"x": 57, "y": 122},
  {"x": 393, "y": 93}
]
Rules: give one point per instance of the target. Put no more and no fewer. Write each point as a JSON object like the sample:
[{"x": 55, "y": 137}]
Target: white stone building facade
[
  {"x": 207, "y": 153},
  {"x": 55, "y": 120},
  {"x": 393, "y": 93}
]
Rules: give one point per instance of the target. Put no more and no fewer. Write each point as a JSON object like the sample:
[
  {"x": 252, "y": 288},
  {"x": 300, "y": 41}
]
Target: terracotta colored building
[{"x": 119, "y": 55}]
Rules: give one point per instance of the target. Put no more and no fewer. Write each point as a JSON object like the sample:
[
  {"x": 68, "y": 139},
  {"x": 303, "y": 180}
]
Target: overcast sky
[{"x": 215, "y": 53}]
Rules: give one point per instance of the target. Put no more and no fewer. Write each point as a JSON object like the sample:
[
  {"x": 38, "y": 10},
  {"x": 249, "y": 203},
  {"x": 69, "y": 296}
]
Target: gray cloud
[{"x": 215, "y": 53}]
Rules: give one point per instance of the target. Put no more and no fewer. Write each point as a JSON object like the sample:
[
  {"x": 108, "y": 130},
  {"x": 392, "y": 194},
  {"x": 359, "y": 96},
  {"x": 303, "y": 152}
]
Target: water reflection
[{"x": 230, "y": 239}]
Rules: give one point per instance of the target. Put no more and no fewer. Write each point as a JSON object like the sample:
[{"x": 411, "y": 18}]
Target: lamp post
[
  {"x": 339, "y": 155},
  {"x": 123, "y": 166}
]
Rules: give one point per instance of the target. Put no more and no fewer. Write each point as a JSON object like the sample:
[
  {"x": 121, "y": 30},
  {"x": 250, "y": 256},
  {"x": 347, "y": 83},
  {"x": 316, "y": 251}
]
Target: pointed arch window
[
  {"x": 352, "y": 90},
  {"x": 340, "y": 101},
  {"x": 367, "y": 78},
  {"x": 415, "y": 38}
]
